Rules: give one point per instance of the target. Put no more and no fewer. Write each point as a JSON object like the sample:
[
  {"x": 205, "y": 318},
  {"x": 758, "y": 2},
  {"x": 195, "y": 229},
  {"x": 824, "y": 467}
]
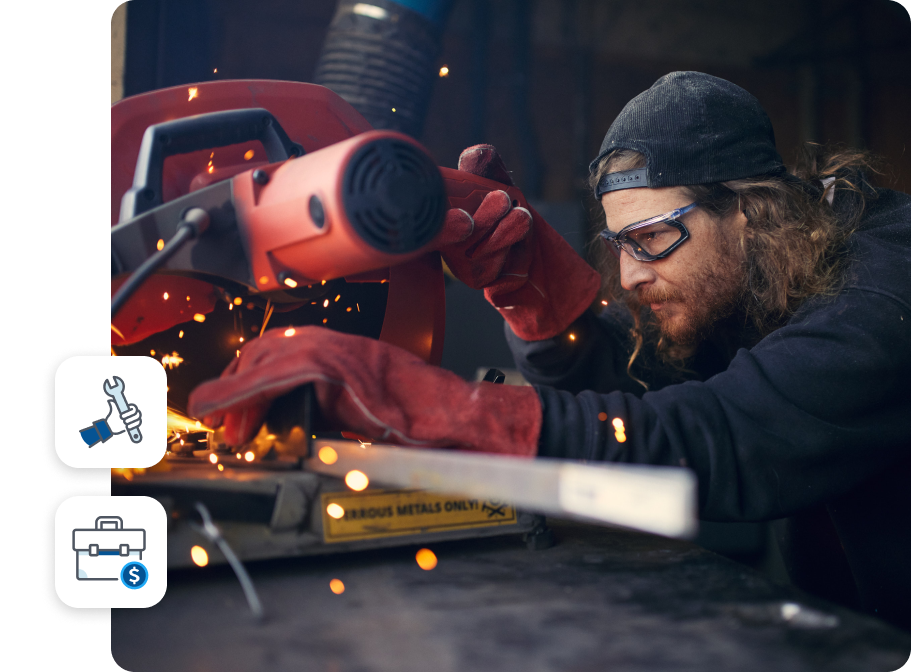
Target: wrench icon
[{"x": 130, "y": 415}]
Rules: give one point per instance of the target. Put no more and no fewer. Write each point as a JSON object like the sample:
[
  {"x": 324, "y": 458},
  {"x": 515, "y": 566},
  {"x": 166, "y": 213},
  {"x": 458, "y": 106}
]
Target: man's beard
[{"x": 691, "y": 311}]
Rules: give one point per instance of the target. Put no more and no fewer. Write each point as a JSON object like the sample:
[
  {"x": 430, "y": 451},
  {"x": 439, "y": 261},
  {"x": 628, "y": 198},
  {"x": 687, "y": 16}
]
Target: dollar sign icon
[{"x": 134, "y": 575}]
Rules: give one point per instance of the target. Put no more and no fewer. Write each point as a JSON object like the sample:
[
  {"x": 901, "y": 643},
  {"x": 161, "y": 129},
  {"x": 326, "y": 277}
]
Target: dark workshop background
[{"x": 543, "y": 79}]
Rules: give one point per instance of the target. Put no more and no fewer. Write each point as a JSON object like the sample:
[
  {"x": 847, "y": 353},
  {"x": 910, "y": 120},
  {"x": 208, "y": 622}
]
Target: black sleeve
[
  {"x": 807, "y": 414},
  {"x": 590, "y": 355}
]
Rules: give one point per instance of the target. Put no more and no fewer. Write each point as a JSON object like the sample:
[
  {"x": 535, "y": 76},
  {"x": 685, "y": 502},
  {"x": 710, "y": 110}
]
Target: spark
[
  {"x": 356, "y": 480},
  {"x": 188, "y": 298},
  {"x": 152, "y": 352},
  {"x": 117, "y": 331},
  {"x": 619, "y": 430},
  {"x": 326, "y": 303},
  {"x": 221, "y": 467},
  {"x": 160, "y": 244},
  {"x": 291, "y": 282},
  {"x": 268, "y": 314},
  {"x": 604, "y": 303},
  {"x": 249, "y": 456},
  {"x": 238, "y": 353},
  {"x": 348, "y": 310},
  {"x": 180, "y": 334},
  {"x": 325, "y": 319},
  {"x": 171, "y": 361},
  {"x": 426, "y": 559},
  {"x": 336, "y": 586},
  {"x": 215, "y": 71},
  {"x": 337, "y": 298},
  {"x": 444, "y": 71},
  {"x": 264, "y": 279},
  {"x": 194, "y": 93},
  {"x": 248, "y": 154},
  {"x": 238, "y": 301},
  {"x": 211, "y": 169},
  {"x": 289, "y": 332},
  {"x": 238, "y": 456},
  {"x": 393, "y": 109},
  {"x": 572, "y": 337},
  {"x": 327, "y": 455},
  {"x": 230, "y": 306},
  {"x": 241, "y": 339},
  {"x": 335, "y": 511},
  {"x": 358, "y": 307},
  {"x": 602, "y": 416},
  {"x": 199, "y": 317},
  {"x": 213, "y": 458},
  {"x": 323, "y": 282},
  {"x": 199, "y": 556},
  {"x": 166, "y": 296}
]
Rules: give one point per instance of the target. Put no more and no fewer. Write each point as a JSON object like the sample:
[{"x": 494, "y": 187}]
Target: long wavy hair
[{"x": 793, "y": 244}]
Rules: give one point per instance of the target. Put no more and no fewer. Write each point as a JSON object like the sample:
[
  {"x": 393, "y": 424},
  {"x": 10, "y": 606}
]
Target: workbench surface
[{"x": 600, "y": 600}]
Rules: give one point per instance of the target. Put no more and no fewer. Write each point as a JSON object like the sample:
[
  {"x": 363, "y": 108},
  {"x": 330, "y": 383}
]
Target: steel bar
[{"x": 661, "y": 500}]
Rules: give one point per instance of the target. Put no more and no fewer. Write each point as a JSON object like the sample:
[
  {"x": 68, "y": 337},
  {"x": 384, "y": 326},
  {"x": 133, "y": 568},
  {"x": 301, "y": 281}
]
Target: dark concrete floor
[{"x": 599, "y": 600}]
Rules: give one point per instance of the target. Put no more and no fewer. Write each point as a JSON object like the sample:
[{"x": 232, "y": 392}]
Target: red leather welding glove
[
  {"x": 371, "y": 388},
  {"x": 529, "y": 273}
]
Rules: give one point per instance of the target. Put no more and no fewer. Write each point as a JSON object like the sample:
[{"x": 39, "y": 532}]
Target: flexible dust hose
[{"x": 380, "y": 56}]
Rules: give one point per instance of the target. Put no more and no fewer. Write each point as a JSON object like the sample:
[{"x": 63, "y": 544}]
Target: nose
[{"x": 634, "y": 273}]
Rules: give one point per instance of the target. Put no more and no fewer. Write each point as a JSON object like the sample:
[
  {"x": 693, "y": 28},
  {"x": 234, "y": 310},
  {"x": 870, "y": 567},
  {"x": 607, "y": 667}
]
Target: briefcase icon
[{"x": 103, "y": 551}]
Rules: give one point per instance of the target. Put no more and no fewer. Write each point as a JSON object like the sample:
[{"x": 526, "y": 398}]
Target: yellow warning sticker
[{"x": 349, "y": 516}]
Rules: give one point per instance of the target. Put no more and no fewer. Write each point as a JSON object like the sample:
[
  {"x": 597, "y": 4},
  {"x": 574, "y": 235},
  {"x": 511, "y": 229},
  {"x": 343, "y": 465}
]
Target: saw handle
[{"x": 191, "y": 134}]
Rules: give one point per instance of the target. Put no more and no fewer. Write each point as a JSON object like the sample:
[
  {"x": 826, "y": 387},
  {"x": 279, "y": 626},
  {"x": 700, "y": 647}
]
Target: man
[{"x": 767, "y": 314}]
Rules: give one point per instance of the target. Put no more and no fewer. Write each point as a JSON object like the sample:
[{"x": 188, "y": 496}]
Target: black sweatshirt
[{"x": 814, "y": 413}]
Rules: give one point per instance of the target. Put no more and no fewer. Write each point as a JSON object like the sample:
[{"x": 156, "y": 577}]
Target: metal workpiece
[
  {"x": 601, "y": 599},
  {"x": 661, "y": 500}
]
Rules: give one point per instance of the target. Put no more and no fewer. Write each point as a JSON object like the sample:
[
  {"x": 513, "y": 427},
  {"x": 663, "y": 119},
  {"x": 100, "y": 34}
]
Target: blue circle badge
[{"x": 134, "y": 575}]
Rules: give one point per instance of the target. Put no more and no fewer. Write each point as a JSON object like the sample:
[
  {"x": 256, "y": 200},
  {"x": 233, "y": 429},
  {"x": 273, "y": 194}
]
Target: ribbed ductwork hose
[{"x": 380, "y": 56}]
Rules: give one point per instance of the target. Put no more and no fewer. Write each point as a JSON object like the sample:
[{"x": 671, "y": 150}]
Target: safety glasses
[{"x": 651, "y": 239}]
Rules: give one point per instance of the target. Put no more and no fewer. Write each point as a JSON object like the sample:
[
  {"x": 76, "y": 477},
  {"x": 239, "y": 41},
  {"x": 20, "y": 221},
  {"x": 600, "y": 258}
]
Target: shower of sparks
[
  {"x": 335, "y": 511},
  {"x": 193, "y": 93},
  {"x": 248, "y": 154},
  {"x": 171, "y": 361},
  {"x": 160, "y": 244},
  {"x": 336, "y": 586},
  {"x": 178, "y": 422}
]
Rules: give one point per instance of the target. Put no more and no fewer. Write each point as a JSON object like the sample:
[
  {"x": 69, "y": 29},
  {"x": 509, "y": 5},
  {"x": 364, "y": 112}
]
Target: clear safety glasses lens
[{"x": 651, "y": 239}]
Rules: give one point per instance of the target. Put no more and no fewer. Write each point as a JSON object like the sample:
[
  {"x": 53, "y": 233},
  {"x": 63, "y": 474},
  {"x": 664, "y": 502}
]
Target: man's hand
[
  {"x": 528, "y": 271},
  {"x": 371, "y": 388}
]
